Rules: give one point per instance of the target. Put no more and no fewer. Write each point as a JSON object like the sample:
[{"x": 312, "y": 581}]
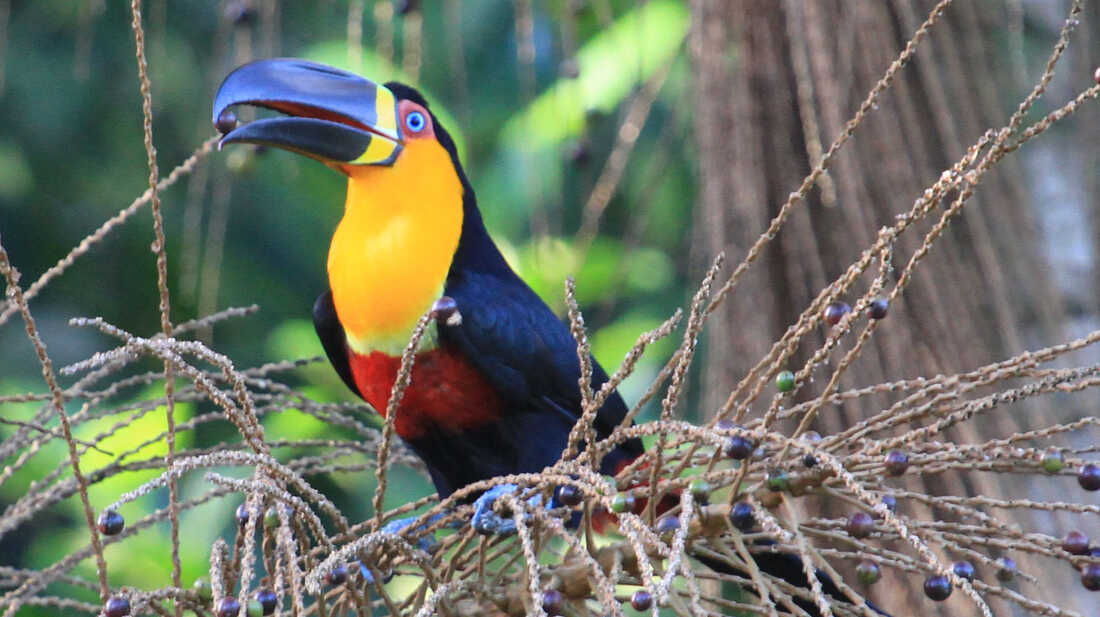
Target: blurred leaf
[
  {"x": 132, "y": 439},
  {"x": 611, "y": 63},
  {"x": 545, "y": 262},
  {"x": 611, "y": 343},
  {"x": 294, "y": 338},
  {"x": 527, "y": 166},
  {"x": 16, "y": 178}
]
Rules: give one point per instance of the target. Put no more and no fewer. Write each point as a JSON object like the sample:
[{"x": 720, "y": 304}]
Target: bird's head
[
  {"x": 351, "y": 124},
  {"x": 407, "y": 195}
]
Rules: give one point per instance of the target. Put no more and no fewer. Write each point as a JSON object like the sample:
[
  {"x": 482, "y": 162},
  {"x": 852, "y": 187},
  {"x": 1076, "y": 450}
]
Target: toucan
[{"x": 492, "y": 393}]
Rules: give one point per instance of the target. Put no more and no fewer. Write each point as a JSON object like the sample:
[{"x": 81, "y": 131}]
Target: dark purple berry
[
  {"x": 110, "y": 523},
  {"x": 404, "y": 7},
  {"x": 228, "y": 607},
  {"x": 836, "y": 311},
  {"x": 227, "y": 121},
  {"x": 1094, "y": 551},
  {"x": 1006, "y": 569},
  {"x": 569, "y": 495},
  {"x": 242, "y": 514},
  {"x": 667, "y": 526},
  {"x": 868, "y": 572},
  {"x": 1075, "y": 543},
  {"x": 1090, "y": 576},
  {"x": 337, "y": 576},
  {"x": 937, "y": 587},
  {"x": 268, "y": 600},
  {"x": 896, "y": 462},
  {"x": 700, "y": 490},
  {"x": 240, "y": 13},
  {"x": 552, "y": 601},
  {"x": 580, "y": 153},
  {"x": 963, "y": 569},
  {"x": 877, "y": 309},
  {"x": 739, "y": 448},
  {"x": 812, "y": 438},
  {"x": 117, "y": 606},
  {"x": 445, "y": 311},
  {"x": 642, "y": 600},
  {"x": 622, "y": 502},
  {"x": 891, "y": 502},
  {"x": 860, "y": 525},
  {"x": 741, "y": 516},
  {"x": 1089, "y": 477}
]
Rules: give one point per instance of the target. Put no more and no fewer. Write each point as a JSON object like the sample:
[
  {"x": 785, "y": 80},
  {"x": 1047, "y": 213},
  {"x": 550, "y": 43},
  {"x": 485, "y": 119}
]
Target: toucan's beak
[{"x": 331, "y": 115}]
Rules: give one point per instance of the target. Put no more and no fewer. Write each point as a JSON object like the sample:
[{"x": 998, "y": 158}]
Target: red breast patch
[{"x": 445, "y": 391}]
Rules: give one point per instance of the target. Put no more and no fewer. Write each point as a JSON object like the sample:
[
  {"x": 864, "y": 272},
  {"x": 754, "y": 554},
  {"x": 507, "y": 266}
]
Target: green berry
[
  {"x": 784, "y": 381},
  {"x": 271, "y": 518},
  {"x": 868, "y": 572},
  {"x": 202, "y": 588},
  {"x": 1053, "y": 461},
  {"x": 778, "y": 480},
  {"x": 700, "y": 490},
  {"x": 622, "y": 502}
]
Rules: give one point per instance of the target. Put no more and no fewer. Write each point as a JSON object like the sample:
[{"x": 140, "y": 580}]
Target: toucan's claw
[
  {"x": 487, "y": 522},
  {"x": 398, "y": 525}
]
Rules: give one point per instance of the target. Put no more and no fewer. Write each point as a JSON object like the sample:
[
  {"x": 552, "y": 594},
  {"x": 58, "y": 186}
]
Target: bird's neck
[{"x": 391, "y": 253}]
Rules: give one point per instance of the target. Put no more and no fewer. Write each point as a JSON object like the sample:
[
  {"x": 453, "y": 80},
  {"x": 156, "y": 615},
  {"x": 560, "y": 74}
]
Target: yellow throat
[{"x": 391, "y": 252}]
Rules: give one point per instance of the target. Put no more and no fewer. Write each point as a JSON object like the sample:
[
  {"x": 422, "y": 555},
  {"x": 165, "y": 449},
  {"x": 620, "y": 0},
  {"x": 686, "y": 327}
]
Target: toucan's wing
[
  {"x": 333, "y": 338},
  {"x": 525, "y": 351}
]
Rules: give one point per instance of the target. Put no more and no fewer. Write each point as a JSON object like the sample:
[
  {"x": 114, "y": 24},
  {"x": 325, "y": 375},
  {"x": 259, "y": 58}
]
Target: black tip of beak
[{"x": 320, "y": 139}]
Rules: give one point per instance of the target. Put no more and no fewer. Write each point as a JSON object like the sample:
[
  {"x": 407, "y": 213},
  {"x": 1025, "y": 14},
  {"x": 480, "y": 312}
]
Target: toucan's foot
[
  {"x": 489, "y": 523},
  {"x": 368, "y": 575},
  {"x": 398, "y": 525}
]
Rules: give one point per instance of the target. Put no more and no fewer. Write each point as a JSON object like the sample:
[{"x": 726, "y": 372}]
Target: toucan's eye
[{"x": 415, "y": 121}]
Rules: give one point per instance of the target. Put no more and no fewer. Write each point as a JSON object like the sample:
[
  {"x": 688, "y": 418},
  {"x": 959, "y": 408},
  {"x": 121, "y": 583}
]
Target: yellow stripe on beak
[{"x": 382, "y": 150}]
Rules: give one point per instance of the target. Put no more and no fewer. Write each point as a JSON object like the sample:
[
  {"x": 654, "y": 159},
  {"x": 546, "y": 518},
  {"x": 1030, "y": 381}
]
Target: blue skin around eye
[{"x": 415, "y": 121}]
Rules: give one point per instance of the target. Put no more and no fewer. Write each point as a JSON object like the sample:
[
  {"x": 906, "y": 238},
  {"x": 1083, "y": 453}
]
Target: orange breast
[{"x": 445, "y": 393}]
